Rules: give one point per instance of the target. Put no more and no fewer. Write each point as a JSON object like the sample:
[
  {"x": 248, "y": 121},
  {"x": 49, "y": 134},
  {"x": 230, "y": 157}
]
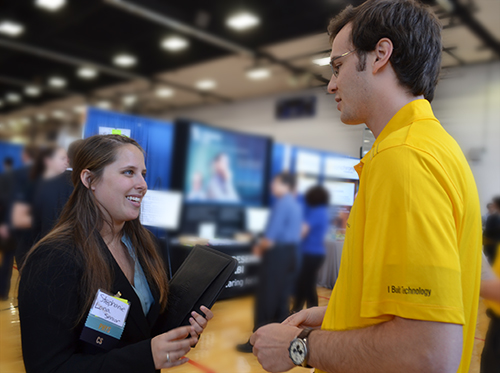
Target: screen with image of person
[{"x": 225, "y": 167}]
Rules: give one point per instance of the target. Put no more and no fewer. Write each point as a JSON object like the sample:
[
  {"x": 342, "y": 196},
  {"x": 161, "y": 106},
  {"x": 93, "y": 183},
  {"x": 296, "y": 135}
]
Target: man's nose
[{"x": 332, "y": 85}]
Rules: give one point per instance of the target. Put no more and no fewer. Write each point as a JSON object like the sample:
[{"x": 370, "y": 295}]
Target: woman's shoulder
[{"x": 50, "y": 259}]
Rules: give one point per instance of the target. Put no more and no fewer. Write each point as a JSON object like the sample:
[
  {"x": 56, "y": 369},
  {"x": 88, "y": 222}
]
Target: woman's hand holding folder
[{"x": 169, "y": 348}]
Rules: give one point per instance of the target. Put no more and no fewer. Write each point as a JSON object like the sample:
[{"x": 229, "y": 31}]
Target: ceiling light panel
[
  {"x": 243, "y": 21},
  {"x": 32, "y": 91},
  {"x": 106, "y": 105},
  {"x": 322, "y": 61},
  {"x": 125, "y": 60},
  {"x": 129, "y": 100},
  {"x": 175, "y": 43},
  {"x": 50, "y": 5},
  {"x": 164, "y": 92},
  {"x": 259, "y": 73},
  {"x": 87, "y": 73},
  {"x": 13, "y": 98},
  {"x": 57, "y": 82},
  {"x": 206, "y": 84},
  {"x": 11, "y": 28}
]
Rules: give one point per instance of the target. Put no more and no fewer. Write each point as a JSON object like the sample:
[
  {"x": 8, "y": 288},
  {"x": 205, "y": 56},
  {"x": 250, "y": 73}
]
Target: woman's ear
[{"x": 86, "y": 178}]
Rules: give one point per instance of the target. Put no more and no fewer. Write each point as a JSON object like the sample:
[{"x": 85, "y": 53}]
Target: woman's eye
[{"x": 129, "y": 172}]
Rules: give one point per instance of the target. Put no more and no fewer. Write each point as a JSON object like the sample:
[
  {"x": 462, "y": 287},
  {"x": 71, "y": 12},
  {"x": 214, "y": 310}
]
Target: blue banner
[
  {"x": 155, "y": 137},
  {"x": 8, "y": 150}
]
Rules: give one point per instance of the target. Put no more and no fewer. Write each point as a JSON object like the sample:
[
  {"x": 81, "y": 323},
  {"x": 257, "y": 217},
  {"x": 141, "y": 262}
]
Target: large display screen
[
  {"x": 341, "y": 193},
  {"x": 225, "y": 167}
]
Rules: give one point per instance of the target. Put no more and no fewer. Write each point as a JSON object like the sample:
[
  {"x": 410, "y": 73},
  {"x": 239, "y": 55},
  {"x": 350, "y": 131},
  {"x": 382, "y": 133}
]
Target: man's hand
[
  {"x": 308, "y": 318},
  {"x": 270, "y": 345},
  {"x": 257, "y": 251}
]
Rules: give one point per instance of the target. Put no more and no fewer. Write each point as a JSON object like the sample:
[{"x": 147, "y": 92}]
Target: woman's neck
[{"x": 112, "y": 236}]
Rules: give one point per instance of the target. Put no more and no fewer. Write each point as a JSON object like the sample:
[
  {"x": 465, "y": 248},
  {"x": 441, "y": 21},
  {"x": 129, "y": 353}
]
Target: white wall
[{"x": 467, "y": 103}]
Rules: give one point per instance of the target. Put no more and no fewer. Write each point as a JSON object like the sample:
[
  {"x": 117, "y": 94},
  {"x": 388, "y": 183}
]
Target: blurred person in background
[
  {"x": 100, "y": 243},
  {"x": 50, "y": 161},
  {"x": 312, "y": 247},
  {"x": 7, "y": 242},
  {"x": 406, "y": 298},
  {"x": 220, "y": 186},
  {"x": 52, "y": 194},
  {"x": 490, "y": 291},
  {"x": 279, "y": 250},
  {"x": 8, "y": 164},
  {"x": 491, "y": 233},
  {"x": 15, "y": 183},
  {"x": 490, "y": 209}
]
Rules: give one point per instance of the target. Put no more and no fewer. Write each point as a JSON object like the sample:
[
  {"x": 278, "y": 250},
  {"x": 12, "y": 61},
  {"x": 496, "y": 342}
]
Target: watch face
[{"x": 298, "y": 351}]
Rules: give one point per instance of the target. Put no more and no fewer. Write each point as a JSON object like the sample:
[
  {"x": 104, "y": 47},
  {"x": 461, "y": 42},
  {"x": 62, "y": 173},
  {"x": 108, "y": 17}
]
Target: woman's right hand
[
  {"x": 169, "y": 348},
  {"x": 308, "y": 318}
]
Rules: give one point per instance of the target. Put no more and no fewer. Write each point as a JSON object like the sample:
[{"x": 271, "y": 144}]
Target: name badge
[{"x": 105, "y": 321}]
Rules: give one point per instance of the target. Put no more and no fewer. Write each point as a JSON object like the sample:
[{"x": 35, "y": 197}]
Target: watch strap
[{"x": 304, "y": 334}]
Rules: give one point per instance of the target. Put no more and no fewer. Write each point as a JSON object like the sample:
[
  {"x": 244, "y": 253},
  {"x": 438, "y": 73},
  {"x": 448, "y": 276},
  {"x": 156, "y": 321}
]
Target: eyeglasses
[{"x": 335, "y": 69}]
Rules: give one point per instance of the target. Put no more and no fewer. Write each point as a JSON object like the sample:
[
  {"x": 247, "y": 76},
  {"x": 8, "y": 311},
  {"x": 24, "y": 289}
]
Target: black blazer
[
  {"x": 49, "y": 303},
  {"x": 50, "y": 197}
]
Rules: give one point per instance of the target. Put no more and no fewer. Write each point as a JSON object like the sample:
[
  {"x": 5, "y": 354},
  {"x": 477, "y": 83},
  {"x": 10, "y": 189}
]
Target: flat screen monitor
[
  {"x": 161, "y": 209},
  {"x": 225, "y": 167},
  {"x": 341, "y": 193},
  {"x": 256, "y": 219},
  {"x": 304, "y": 183}
]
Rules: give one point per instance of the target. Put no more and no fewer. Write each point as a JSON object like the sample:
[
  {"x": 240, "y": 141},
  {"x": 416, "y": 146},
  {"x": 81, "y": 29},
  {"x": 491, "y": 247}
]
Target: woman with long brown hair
[{"x": 100, "y": 244}]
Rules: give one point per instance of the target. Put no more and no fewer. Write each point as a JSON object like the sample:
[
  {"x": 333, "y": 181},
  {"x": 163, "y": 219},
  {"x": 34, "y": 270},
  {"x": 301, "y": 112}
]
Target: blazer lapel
[{"x": 121, "y": 284}]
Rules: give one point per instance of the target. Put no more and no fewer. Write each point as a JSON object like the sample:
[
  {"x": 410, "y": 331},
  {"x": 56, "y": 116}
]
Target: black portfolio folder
[{"x": 198, "y": 282}]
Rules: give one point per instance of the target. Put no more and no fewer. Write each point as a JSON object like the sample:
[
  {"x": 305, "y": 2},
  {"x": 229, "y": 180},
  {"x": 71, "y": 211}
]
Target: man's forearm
[{"x": 393, "y": 346}]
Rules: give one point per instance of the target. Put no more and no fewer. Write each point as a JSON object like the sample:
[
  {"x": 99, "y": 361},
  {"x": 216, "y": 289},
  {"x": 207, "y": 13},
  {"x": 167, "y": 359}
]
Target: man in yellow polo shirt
[{"x": 407, "y": 293}]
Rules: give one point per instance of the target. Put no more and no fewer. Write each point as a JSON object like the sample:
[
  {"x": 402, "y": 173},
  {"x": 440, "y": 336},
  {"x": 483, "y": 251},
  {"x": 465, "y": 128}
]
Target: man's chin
[{"x": 350, "y": 121}]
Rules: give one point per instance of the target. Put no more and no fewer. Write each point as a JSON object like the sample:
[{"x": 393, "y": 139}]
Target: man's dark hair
[
  {"x": 415, "y": 33},
  {"x": 8, "y": 162},
  {"x": 317, "y": 196},
  {"x": 496, "y": 202},
  {"x": 287, "y": 178}
]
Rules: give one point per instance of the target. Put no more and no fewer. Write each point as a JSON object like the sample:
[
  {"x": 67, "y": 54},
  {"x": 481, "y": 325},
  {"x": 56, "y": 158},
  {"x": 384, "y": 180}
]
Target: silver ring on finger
[{"x": 168, "y": 357}]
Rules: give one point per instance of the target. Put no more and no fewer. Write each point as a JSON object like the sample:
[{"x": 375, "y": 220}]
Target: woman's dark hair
[
  {"x": 414, "y": 31},
  {"x": 317, "y": 196},
  {"x": 39, "y": 164},
  {"x": 82, "y": 219}
]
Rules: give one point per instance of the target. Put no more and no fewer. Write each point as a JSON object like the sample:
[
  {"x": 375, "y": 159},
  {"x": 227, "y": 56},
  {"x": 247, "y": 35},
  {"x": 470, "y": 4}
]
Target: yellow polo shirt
[{"x": 413, "y": 238}]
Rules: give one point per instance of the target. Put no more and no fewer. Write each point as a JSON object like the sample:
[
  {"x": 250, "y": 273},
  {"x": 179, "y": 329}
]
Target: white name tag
[{"x": 110, "y": 308}]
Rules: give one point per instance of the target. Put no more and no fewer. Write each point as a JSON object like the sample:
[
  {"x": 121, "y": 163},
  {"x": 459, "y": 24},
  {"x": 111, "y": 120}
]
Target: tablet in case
[{"x": 198, "y": 282}]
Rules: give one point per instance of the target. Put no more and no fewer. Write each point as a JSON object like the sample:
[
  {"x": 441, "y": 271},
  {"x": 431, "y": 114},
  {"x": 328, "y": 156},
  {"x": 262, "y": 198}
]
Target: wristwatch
[{"x": 299, "y": 349}]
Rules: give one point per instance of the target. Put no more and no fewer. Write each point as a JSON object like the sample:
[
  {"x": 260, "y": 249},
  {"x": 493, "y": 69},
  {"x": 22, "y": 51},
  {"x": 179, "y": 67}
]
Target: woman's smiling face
[{"x": 122, "y": 186}]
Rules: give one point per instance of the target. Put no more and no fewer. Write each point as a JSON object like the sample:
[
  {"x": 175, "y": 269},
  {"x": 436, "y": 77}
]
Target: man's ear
[
  {"x": 86, "y": 177},
  {"x": 383, "y": 52}
]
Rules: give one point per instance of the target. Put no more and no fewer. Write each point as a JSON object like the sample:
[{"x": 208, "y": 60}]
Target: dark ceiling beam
[
  {"x": 449, "y": 51},
  {"x": 23, "y": 83},
  {"x": 465, "y": 16},
  {"x": 186, "y": 29},
  {"x": 79, "y": 62}
]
